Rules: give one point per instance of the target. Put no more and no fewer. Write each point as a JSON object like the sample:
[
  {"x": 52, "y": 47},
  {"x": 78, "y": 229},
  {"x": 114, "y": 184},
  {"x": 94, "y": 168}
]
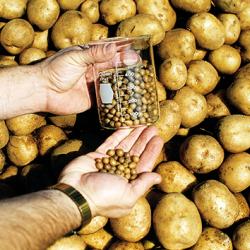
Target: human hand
[{"x": 111, "y": 195}]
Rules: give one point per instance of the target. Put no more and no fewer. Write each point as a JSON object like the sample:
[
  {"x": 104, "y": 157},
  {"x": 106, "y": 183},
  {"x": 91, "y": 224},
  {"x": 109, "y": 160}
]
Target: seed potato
[
  {"x": 41, "y": 40},
  {"x": 161, "y": 91},
  {"x": 244, "y": 42},
  {"x": 199, "y": 54},
  {"x": 2, "y": 160},
  {"x": 124, "y": 245},
  {"x": 4, "y": 134},
  {"x": 31, "y": 55},
  {"x": 231, "y": 6},
  {"x": 241, "y": 239},
  {"x": 90, "y": 8},
  {"x": 95, "y": 224},
  {"x": 244, "y": 17},
  {"x": 192, "y": 5},
  {"x": 63, "y": 121},
  {"x": 9, "y": 172},
  {"x": 99, "y": 32},
  {"x": 70, "y": 5},
  {"x": 244, "y": 72},
  {"x": 216, "y": 204},
  {"x": 244, "y": 210},
  {"x": 7, "y": 61},
  {"x": 11, "y": 9}
]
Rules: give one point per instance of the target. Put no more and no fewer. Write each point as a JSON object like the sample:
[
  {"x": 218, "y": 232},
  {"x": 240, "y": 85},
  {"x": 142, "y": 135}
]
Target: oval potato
[
  {"x": 95, "y": 224},
  {"x": 241, "y": 239},
  {"x": 31, "y": 55},
  {"x": 91, "y": 9},
  {"x": 124, "y": 245},
  {"x": 12, "y": 9},
  {"x": 231, "y": 6},
  {"x": 244, "y": 210},
  {"x": 99, "y": 32},
  {"x": 4, "y": 134},
  {"x": 193, "y": 6}
]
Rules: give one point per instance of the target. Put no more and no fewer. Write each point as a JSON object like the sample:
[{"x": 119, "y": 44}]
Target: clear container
[{"x": 126, "y": 92}]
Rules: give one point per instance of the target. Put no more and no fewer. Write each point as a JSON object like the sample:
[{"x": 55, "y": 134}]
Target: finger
[{"x": 150, "y": 154}]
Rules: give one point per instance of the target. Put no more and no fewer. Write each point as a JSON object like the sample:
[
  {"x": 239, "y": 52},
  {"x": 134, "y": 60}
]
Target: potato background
[{"x": 187, "y": 37}]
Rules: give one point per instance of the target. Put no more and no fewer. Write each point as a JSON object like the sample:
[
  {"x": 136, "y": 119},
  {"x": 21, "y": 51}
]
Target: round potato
[
  {"x": 161, "y": 9},
  {"x": 193, "y": 106},
  {"x": 178, "y": 43},
  {"x": 6, "y": 61},
  {"x": 4, "y": 134},
  {"x": 63, "y": 121},
  {"x": 231, "y": 6},
  {"x": 244, "y": 72},
  {"x": 31, "y": 55},
  {"x": 99, "y": 32},
  {"x": 244, "y": 39},
  {"x": 213, "y": 238},
  {"x": 90, "y": 8},
  {"x": 244, "y": 210},
  {"x": 235, "y": 172},
  {"x": 12, "y": 8},
  {"x": 2, "y": 160},
  {"x": 172, "y": 212},
  {"x": 232, "y": 27},
  {"x": 201, "y": 153},
  {"x": 208, "y": 30},
  {"x": 161, "y": 91},
  {"x": 72, "y": 28},
  {"x": 95, "y": 224},
  {"x": 113, "y": 11},
  {"x": 142, "y": 24},
  {"x": 241, "y": 239},
  {"x": 22, "y": 149},
  {"x": 192, "y": 5},
  {"x": 202, "y": 77},
  {"x": 41, "y": 40},
  {"x": 244, "y": 17},
  {"x": 169, "y": 121},
  {"x": 175, "y": 177},
  {"x": 216, "y": 204},
  {"x": 135, "y": 225},
  {"x": 173, "y": 73},
  {"x": 123, "y": 245},
  {"x": 16, "y": 36},
  {"x": 9, "y": 172},
  {"x": 199, "y": 54},
  {"x": 69, "y": 5},
  {"x": 234, "y": 133}
]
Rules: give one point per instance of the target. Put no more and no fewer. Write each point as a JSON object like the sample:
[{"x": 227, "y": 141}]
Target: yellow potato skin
[
  {"x": 192, "y": 5},
  {"x": 241, "y": 240}
]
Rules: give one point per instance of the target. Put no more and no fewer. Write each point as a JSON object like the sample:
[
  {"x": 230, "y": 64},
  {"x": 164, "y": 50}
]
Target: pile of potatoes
[{"x": 202, "y": 58}]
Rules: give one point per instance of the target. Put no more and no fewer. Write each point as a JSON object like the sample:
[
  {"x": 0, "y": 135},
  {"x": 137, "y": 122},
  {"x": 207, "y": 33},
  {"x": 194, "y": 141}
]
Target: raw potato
[
  {"x": 69, "y": 4},
  {"x": 169, "y": 121},
  {"x": 231, "y": 6},
  {"x": 142, "y": 24},
  {"x": 202, "y": 77},
  {"x": 43, "y": 13},
  {"x": 244, "y": 72},
  {"x": 22, "y": 149},
  {"x": 235, "y": 172},
  {"x": 4, "y": 134},
  {"x": 73, "y": 242},
  {"x": 63, "y": 121},
  {"x": 193, "y": 6},
  {"x": 11, "y": 171},
  {"x": 234, "y": 133},
  {"x": 90, "y": 8},
  {"x": 72, "y": 28},
  {"x": 11, "y": 9},
  {"x": 31, "y": 55},
  {"x": 2, "y": 160},
  {"x": 175, "y": 211},
  {"x": 208, "y": 30},
  {"x": 232, "y": 27},
  {"x": 193, "y": 106},
  {"x": 48, "y": 137},
  {"x": 199, "y": 54},
  {"x": 241, "y": 239},
  {"x": 178, "y": 43},
  {"x": 113, "y": 11},
  {"x": 161, "y": 91},
  {"x": 173, "y": 73},
  {"x": 7, "y": 61},
  {"x": 99, "y": 32},
  {"x": 175, "y": 177},
  {"x": 41, "y": 40},
  {"x": 213, "y": 238},
  {"x": 244, "y": 210},
  {"x": 226, "y": 59},
  {"x": 161, "y": 9},
  {"x": 183, "y": 131},
  {"x": 244, "y": 17},
  {"x": 216, "y": 204},
  {"x": 98, "y": 240},
  {"x": 123, "y": 245},
  {"x": 134, "y": 226},
  {"x": 25, "y": 124},
  {"x": 95, "y": 224},
  {"x": 16, "y": 36},
  {"x": 244, "y": 42}
]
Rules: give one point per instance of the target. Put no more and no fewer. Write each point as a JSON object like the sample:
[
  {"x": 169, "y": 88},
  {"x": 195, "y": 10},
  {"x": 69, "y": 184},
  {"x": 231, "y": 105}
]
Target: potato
[
  {"x": 72, "y": 28},
  {"x": 16, "y": 36},
  {"x": 209, "y": 32},
  {"x": 161, "y": 9},
  {"x": 22, "y": 149},
  {"x": 202, "y": 77},
  {"x": 2, "y": 160},
  {"x": 142, "y": 24},
  {"x": 241, "y": 239},
  {"x": 232, "y": 27},
  {"x": 7, "y": 61},
  {"x": 161, "y": 91},
  {"x": 177, "y": 222},
  {"x": 234, "y": 133},
  {"x": 43, "y": 13},
  {"x": 235, "y": 172},
  {"x": 173, "y": 73},
  {"x": 113, "y": 11},
  {"x": 4, "y": 134},
  {"x": 226, "y": 59},
  {"x": 231, "y": 6},
  {"x": 244, "y": 17},
  {"x": 169, "y": 121},
  {"x": 192, "y": 5},
  {"x": 25, "y": 124},
  {"x": 41, "y": 40},
  {"x": 217, "y": 105},
  {"x": 63, "y": 121},
  {"x": 48, "y": 137},
  {"x": 90, "y": 8},
  {"x": 193, "y": 106},
  {"x": 216, "y": 204},
  {"x": 31, "y": 55},
  {"x": 11, "y": 9},
  {"x": 199, "y": 54},
  {"x": 95, "y": 224},
  {"x": 183, "y": 131},
  {"x": 175, "y": 177},
  {"x": 11, "y": 171},
  {"x": 99, "y": 32},
  {"x": 178, "y": 43},
  {"x": 201, "y": 153},
  {"x": 69, "y": 5},
  {"x": 98, "y": 240},
  {"x": 134, "y": 226},
  {"x": 213, "y": 238},
  {"x": 244, "y": 72},
  {"x": 244, "y": 39},
  {"x": 244, "y": 210},
  {"x": 123, "y": 245},
  {"x": 73, "y": 242}
]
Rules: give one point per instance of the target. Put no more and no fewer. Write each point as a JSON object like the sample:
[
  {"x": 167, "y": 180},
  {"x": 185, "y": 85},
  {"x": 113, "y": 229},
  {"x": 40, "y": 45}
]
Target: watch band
[{"x": 78, "y": 199}]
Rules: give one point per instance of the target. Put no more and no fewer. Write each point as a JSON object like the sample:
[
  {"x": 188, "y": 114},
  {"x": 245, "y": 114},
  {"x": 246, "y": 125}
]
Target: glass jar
[{"x": 126, "y": 92}]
